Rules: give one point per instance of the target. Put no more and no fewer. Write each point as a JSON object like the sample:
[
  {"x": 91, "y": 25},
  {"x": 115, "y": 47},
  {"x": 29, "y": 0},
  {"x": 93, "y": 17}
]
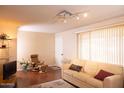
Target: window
[{"x": 103, "y": 45}]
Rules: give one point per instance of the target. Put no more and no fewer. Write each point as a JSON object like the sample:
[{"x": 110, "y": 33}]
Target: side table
[{"x": 43, "y": 68}]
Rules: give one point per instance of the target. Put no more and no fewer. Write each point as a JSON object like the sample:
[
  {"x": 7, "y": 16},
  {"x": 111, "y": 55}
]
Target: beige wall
[
  {"x": 9, "y": 27},
  {"x": 39, "y": 43},
  {"x": 69, "y": 44}
]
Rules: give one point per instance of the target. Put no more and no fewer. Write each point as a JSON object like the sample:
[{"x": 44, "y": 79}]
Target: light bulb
[
  {"x": 65, "y": 21},
  {"x": 77, "y": 17},
  {"x": 85, "y": 14}
]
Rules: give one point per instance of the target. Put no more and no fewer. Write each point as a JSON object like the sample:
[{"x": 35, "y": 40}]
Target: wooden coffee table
[{"x": 29, "y": 78}]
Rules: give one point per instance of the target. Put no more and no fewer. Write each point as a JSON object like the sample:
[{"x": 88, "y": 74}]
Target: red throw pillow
[{"x": 103, "y": 74}]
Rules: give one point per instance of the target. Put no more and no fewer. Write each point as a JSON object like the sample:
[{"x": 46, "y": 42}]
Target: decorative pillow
[
  {"x": 103, "y": 74},
  {"x": 75, "y": 67}
]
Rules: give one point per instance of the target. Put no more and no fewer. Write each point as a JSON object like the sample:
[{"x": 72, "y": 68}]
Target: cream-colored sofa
[{"x": 85, "y": 78}]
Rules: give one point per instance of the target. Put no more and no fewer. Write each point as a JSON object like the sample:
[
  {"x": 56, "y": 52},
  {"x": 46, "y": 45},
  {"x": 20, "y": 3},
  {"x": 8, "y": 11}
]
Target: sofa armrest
[
  {"x": 65, "y": 66},
  {"x": 115, "y": 81}
]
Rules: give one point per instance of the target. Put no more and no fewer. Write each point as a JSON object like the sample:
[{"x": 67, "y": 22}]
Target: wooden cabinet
[
  {"x": 4, "y": 53},
  {"x": 10, "y": 83}
]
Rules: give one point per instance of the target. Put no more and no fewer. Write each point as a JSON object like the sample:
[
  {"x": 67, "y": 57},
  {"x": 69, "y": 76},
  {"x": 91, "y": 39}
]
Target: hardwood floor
[{"x": 26, "y": 79}]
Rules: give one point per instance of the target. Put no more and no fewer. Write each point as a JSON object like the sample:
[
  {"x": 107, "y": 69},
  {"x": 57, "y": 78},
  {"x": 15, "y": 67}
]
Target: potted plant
[
  {"x": 25, "y": 64},
  {"x": 3, "y": 37}
]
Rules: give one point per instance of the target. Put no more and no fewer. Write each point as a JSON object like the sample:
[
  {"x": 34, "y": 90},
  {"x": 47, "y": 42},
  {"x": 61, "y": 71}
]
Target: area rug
[{"x": 54, "y": 84}]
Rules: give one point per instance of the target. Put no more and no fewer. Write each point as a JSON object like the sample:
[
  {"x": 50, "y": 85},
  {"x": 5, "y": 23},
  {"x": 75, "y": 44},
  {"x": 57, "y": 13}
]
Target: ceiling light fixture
[
  {"x": 64, "y": 16},
  {"x": 77, "y": 17},
  {"x": 85, "y": 14},
  {"x": 65, "y": 21}
]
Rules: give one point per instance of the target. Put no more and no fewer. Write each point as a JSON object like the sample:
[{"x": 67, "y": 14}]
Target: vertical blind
[{"x": 103, "y": 45}]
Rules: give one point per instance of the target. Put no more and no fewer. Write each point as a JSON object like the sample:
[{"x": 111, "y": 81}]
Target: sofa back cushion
[
  {"x": 115, "y": 69},
  {"x": 91, "y": 68}
]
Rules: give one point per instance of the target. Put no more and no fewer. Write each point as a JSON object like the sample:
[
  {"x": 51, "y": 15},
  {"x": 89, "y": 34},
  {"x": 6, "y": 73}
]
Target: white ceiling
[{"x": 41, "y": 18}]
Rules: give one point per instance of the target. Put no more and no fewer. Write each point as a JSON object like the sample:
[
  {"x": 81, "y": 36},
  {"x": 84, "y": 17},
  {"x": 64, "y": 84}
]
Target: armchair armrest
[{"x": 115, "y": 81}]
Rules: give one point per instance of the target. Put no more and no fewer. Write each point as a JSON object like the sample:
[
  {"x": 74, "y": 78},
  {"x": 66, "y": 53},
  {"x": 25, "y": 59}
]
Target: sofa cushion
[
  {"x": 94, "y": 82},
  {"x": 79, "y": 62},
  {"x": 91, "y": 68},
  {"x": 103, "y": 74},
  {"x": 81, "y": 76},
  {"x": 70, "y": 72},
  {"x": 75, "y": 67}
]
